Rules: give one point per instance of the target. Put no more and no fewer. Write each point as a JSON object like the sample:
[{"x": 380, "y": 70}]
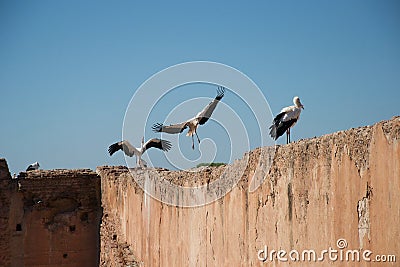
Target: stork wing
[
  {"x": 157, "y": 143},
  {"x": 278, "y": 118},
  {"x": 205, "y": 114},
  {"x": 30, "y": 168},
  {"x": 279, "y": 128},
  {"x": 128, "y": 149},
  {"x": 171, "y": 129},
  {"x": 291, "y": 113}
]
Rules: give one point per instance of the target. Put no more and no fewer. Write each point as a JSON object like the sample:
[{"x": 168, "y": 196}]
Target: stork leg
[
  {"x": 143, "y": 163},
  {"x": 288, "y": 136},
  {"x": 192, "y": 142},
  {"x": 198, "y": 139},
  {"x": 137, "y": 162}
]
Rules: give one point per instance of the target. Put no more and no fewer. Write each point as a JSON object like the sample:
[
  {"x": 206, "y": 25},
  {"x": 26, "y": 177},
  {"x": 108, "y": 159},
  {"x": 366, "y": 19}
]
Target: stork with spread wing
[
  {"x": 200, "y": 119},
  {"x": 131, "y": 151}
]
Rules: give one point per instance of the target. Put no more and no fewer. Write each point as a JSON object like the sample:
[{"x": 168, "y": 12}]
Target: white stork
[
  {"x": 33, "y": 166},
  {"x": 286, "y": 119},
  {"x": 201, "y": 118},
  {"x": 130, "y": 150}
]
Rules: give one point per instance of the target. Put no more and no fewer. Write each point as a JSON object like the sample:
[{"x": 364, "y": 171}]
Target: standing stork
[
  {"x": 201, "y": 118},
  {"x": 130, "y": 150},
  {"x": 286, "y": 119}
]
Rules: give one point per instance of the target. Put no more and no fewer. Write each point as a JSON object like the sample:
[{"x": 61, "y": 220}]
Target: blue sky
[{"x": 68, "y": 69}]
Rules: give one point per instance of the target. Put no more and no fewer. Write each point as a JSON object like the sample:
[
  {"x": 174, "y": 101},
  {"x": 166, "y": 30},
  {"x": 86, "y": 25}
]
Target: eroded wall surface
[
  {"x": 5, "y": 200},
  {"x": 50, "y": 218},
  {"x": 344, "y": 186}
]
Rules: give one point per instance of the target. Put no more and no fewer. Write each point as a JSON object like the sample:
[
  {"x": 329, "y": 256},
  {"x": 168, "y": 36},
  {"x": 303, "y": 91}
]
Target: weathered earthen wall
[
  {"x": 342, "y": 185},
  {"x": 50, "y": 218},
  {"x": 5, "y": 195}
]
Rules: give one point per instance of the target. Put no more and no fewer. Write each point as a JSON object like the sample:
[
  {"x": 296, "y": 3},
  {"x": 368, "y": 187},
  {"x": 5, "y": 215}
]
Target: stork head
[
  {"x": 36, "y": 164},
  {"x": 296, "y": 101}
]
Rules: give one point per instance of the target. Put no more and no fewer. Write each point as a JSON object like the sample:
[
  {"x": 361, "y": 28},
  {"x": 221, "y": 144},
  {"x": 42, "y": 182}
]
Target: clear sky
[{"x": 68, "y": 69}]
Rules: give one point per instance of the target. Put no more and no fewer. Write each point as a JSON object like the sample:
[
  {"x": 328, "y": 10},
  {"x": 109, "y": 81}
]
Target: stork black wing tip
[
  {"x": 157, "y": 127},
  {"x": 166, "y": 145},
  {"x": 220, "y": 92},
  {"x": 113, "y": 148},
  {"x": 272, "y": 132},
  {"x": 110, "y": 150}
]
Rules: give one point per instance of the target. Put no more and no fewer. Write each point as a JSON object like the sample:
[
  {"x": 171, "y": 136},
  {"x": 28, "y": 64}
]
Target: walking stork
[
  {"x": 201, "y": 118},
  {"x": 130, "y": 150},
  {"x": 286, "y": 119}
]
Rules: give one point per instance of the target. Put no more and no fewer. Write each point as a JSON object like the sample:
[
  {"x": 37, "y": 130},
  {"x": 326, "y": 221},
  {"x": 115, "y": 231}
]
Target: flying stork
[
  {"x": 286, "y": 119},
  {"x": 130, "y": 150},
  {"x": 201, "y": 118},
  {"x": 33, "y": 166}
]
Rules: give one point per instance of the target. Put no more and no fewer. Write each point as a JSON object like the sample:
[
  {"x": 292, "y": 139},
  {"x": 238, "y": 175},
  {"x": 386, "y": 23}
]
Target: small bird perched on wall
[
  {"x": 286, "y": 119},
  {"x": 130, "y": 150},
  {"x": 33, "y": 166}
]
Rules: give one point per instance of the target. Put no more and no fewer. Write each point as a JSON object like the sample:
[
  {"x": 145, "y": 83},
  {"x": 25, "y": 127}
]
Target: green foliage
[{"x": 212, "y": 164}]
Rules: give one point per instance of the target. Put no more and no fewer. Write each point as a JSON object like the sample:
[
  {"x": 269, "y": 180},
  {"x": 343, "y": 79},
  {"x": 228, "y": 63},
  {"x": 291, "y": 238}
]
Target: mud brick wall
[
  {"x": 344, "y": 185},
  {"x": 5, "y": 201},
  {"x": 53, "y": 219}
]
